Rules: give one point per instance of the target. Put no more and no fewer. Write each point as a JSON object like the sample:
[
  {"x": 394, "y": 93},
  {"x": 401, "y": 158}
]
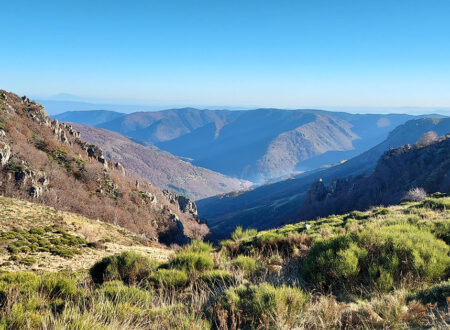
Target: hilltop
[
  {"x": 93, "y": 117},
  {"x": 48, "y": 162}
]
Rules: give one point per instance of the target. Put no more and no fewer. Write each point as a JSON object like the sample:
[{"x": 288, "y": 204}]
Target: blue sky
[{"x": 237, "y": 53}]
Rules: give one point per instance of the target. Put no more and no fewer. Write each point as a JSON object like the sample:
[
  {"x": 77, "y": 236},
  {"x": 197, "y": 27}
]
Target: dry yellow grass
[{"x": 16, "y": 215}]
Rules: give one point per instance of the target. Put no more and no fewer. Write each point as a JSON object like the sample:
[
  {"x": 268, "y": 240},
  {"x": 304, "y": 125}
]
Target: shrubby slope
[{"x": 383, "y": 268}]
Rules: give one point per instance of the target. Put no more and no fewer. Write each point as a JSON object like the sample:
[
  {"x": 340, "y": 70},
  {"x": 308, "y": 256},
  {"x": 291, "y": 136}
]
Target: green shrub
[
  {"x": 333, "y": 261},
  {"x": 192, "y": 261},
  {"x": 25, "y": 280},
  {"x": 216, "y": 277},
  {"x": 436, "y": 293},
  {"x": 246, "y": 264},
  {"x": 169, "y": 278},
  {"x": 240, "y": 233},
  {"x": 199, "y": 247},
  {"x": 436, "y": 203},
  {"x": 358, "y": 215},
  {"x": 380, "y": 257},
  {"x": 116, "y": 291},
  {"x": 28, "y": 261},
  {"x": 129, "y": 267},
  {"x": 262, "y": 306},
  {"x": 58, "y": 285}
]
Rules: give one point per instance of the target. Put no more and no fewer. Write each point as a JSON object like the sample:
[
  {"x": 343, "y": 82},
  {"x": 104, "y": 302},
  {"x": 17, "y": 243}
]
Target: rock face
[
  {"x": 184, "y": 204},
  {"x": 5, "y": 153},
  {"x": 48, "y": 162},
  {"x": 398, "y": 170}
]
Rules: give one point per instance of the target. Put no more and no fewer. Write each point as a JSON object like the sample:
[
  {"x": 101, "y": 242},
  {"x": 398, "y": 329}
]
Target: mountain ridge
[
  {"x": 48, "y": 162},
  {"x": 275, "y": 204},
  {"x": 246, "y": 144},
  {"x": 160, "y": 167}
]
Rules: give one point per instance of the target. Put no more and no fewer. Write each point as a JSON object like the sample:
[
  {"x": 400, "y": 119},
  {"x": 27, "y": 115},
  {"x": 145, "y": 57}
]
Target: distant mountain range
[
  {"x": 256, "y": 145},
  {"x": 279, "y": 203},
  {"x": 159, "y": 167},
  {"x": 91, "y": 118}
]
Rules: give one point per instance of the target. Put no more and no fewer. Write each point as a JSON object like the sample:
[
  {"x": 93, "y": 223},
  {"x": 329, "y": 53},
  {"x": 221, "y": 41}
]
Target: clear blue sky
[{"x": 241, "y": 53}]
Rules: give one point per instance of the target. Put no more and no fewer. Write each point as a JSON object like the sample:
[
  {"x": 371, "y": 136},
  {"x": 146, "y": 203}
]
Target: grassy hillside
[
  {"x": 40, "y": 238},
  {"x": 384, "y": 268}
]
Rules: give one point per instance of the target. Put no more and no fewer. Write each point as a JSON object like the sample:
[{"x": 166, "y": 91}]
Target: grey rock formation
[
  {"x": 5, "y": 153},
  {"x": 120, "y": 168},
  {"x": 184, "y": 204}
]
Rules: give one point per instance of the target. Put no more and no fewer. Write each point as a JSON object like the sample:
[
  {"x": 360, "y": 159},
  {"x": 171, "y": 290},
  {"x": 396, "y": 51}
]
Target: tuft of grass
[
  {"x": 170, "y": 278},
  {"x": 260, "y": 306},
  {"x": 129, "y": 267},
  {"x": 192, "y": 261},
  {"x": 217, "y": 277},
  {"x": 247, "y": 265}
]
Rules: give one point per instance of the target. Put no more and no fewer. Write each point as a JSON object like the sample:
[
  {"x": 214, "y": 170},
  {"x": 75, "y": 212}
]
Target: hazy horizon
[
  {"x": 64, "y": 102},
  {"x": 292, "y": 54}
]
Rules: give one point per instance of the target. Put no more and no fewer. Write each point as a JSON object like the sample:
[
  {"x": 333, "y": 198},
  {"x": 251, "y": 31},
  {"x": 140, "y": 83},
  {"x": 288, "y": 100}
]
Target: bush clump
[
  {"x": 171, "y": 278},
  {"x": 240, "y": 233},
  {"x": 58, "y": 285},
  {"x": 380, "y": 257},
  {"x": 117, "y": 292},
  {"x": 192, "y": 261},
  {"x": 129, "y": 267},
  {"x": 415, "y": 195},
  {"x": 246, "y": 264},
  {"x": 216, "y": 277},
  {"x": 437, "y": 293},
  {"x": 260, "y": 306}
]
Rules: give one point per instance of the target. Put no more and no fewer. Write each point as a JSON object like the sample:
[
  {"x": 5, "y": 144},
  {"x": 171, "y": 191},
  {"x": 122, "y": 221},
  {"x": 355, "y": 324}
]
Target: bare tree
[
  {"x": 415, "y": 195},
  {"x": 427, "y": 138}
]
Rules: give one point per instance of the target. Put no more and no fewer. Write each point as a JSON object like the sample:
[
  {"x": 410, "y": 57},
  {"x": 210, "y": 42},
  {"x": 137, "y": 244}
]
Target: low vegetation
[
  {"x": 384, "y": 268},
  {"x": 40, "y": 238}
]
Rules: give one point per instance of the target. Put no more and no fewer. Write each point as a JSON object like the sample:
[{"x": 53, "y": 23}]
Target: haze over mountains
[
  {"x": 256, "y": 145},
  {"x": 262, "y": 145},
  {"x": 92, "y": 118}
]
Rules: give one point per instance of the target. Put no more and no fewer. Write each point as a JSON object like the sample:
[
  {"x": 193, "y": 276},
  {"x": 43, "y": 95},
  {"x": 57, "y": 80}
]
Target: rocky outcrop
[
  {"x": 184, "y": 204},
  {"x": 398, "y": 170},
  {"x": 47, "y": 161},
  {"x": 172, "y": 231},
  {"x": 5, "y": 153},
  {"x": 21, "y": 173},
  {"x": 118, "y": 166}
]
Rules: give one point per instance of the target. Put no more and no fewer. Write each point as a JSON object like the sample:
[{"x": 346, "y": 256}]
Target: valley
[{"x": 97, "y": 230}]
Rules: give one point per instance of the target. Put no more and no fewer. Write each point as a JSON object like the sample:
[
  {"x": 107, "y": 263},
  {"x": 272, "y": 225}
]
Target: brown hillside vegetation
[
  {"x": 159, "y": 167},
  {"x": 48, "y": 162}
]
